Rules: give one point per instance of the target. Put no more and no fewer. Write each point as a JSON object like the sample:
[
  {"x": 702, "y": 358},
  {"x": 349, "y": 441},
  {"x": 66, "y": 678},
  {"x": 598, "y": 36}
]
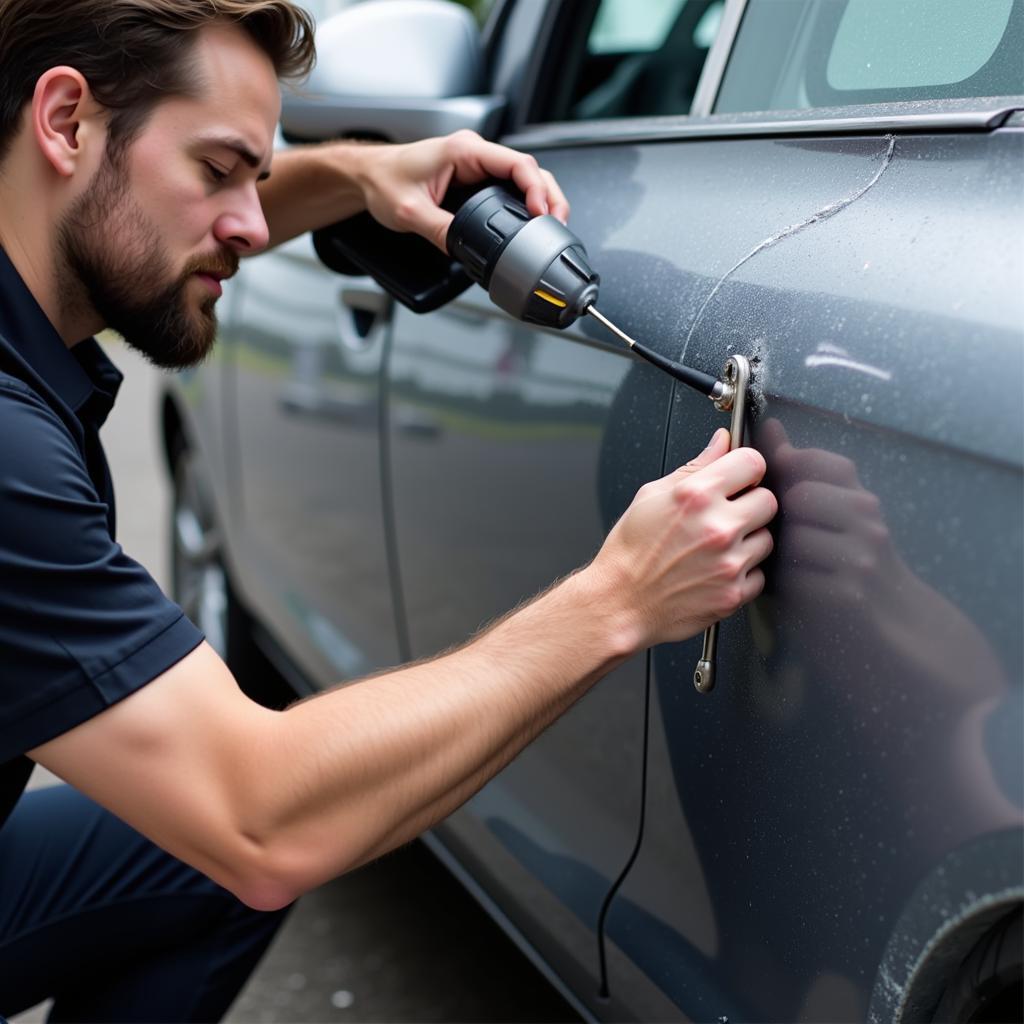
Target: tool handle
[
  {"x": 737, "y": 376},
  {"x": 704, "y": 673}
]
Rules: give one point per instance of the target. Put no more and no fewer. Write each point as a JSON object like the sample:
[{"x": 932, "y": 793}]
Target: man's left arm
[{"x": 401, "y": 185}]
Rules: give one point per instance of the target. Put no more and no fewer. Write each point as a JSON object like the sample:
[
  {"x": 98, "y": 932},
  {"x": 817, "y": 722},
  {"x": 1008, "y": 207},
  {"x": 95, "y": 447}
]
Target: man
[{"x": 135, "y": 144}]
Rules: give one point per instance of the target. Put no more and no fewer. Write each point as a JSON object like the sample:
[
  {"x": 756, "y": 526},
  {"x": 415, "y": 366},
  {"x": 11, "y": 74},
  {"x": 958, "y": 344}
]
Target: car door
[
  {"x": 309, "y": 549},
  {"x": 864, "y": 735},
  {"x": 511, "y": 452}
]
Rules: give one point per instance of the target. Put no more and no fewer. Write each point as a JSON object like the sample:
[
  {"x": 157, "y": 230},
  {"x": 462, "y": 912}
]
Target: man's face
[{"x": 147, "y": 243}]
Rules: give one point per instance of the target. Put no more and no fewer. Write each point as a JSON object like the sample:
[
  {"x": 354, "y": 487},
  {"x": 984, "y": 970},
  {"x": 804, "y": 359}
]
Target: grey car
[{"x": 832, "y": 188}]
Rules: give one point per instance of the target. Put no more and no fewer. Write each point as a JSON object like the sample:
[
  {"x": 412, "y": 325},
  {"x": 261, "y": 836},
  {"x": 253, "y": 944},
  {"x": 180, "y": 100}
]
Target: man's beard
[{"x": 110, "y": 259}]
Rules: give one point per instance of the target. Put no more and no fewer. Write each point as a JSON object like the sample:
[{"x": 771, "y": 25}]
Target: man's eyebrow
[{"x": 236, "y": 145}]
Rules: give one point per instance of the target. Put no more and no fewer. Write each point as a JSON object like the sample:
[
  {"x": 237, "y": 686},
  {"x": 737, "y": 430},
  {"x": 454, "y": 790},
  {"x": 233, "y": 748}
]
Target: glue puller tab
[{"x": 536, "y": 269}]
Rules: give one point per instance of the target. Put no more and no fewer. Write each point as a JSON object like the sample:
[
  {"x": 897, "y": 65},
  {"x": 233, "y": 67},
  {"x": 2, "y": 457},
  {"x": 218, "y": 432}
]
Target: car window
[
  {"x": 323, "y": 9},
  {"x": 633, "y": 58},
  {"x": 797, "y": 54}
]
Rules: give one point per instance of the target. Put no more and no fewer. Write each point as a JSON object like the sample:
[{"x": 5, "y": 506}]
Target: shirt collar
[{"x": 82, "y": 377}]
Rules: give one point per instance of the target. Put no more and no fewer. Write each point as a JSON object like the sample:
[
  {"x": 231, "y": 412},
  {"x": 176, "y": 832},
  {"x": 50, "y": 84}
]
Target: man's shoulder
[
  {"x": 37, "y": 442},
  {"x": 16, "y": 381},
  {"x": 19, "y": 377},
  {"x": 10, "y": 383},
  {"x": 23, "y": 406}
]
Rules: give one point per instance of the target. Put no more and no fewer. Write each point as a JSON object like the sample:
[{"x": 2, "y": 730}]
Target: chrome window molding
[
  {"x": 979, "y": 114},
  {"x": 718, "y": 57}
]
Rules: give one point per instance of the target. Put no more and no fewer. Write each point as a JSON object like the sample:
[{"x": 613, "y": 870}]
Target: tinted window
[
  {"x": 633, "y": 58},
  {"x": 323, "y": 9},
  {"x": 795, "y": 54}
]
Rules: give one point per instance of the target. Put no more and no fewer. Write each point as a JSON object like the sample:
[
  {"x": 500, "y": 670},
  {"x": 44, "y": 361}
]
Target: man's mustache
[{"x": 220, "y": 265}]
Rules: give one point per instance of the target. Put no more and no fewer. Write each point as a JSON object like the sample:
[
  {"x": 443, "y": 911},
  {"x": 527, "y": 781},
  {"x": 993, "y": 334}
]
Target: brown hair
[{"x": 133, "y": 53}]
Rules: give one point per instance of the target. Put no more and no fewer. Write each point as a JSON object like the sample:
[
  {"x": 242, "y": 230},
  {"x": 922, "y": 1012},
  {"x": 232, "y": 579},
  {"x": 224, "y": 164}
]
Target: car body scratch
[{"x": 823, "y": 214}]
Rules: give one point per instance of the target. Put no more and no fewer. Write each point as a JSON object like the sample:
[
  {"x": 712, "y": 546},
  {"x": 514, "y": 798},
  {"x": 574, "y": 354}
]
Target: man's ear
[{"x": 66, "y": 119}]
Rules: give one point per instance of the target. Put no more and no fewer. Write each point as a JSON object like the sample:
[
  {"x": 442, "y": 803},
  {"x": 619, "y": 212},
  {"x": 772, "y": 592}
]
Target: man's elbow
[
  {"x": 262, "y": 894},
  {"x": 264, "y": 887},
  {"x": 272, "y": 876}
]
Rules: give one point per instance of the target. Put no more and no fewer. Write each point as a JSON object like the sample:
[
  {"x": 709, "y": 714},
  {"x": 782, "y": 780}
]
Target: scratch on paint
[{"x": 823, "y": 214}]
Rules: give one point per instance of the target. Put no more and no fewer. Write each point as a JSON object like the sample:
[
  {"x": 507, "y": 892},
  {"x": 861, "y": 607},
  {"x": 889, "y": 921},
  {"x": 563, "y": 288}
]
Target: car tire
[
  {"x": 989, "y": 986},
  {"x": 201, "y": 585}
]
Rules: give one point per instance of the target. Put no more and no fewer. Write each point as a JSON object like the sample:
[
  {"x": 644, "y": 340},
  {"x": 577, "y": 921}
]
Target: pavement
[{"x": 397, "y": 940}]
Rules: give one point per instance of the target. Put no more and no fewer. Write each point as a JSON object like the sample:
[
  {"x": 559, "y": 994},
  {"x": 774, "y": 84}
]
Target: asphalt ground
[{"x": 398, "y": 940}]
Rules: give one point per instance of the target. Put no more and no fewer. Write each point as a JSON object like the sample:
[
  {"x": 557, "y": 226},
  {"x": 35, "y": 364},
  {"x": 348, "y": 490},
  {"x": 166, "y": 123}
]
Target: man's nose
[{"x": 243, "y": 227}]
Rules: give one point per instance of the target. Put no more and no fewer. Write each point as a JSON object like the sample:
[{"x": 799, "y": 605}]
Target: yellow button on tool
[{"x": 548, "y": 297}]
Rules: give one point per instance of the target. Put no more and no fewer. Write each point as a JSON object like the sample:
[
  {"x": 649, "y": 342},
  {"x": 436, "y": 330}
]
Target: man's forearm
[
  {"x": 311, "y": 187},
  {"x": 367, "y": 767},
  {"x": 402, "y": 185}
]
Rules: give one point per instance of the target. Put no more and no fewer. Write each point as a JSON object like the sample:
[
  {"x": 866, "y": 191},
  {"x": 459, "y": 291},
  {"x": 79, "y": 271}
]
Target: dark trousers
[{"x": 110, "y": 926}]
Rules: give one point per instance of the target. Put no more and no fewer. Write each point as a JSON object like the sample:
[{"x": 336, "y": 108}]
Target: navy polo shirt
[{"x": 82, "y": 625}]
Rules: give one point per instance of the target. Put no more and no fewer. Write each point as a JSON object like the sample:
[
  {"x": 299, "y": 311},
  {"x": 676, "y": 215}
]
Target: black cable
[{"x": 696, "y": 379}]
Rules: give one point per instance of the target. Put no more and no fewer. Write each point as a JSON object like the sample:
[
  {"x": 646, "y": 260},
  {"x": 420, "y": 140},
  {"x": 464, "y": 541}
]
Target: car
[{"x": 831, "y": 188}]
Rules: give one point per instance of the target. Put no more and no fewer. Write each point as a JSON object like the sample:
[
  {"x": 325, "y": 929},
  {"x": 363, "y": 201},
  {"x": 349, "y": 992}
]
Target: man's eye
[{"x": 215, "y": 172}]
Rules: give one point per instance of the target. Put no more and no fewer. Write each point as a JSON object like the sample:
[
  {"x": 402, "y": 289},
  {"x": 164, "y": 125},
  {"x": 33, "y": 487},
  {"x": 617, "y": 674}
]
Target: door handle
[
  {"x": 365, "y": 309},
  {"x": 367, "y": 298}
]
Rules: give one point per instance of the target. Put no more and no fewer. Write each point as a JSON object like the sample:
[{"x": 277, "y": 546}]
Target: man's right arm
[{"x": 271, "y": 804}]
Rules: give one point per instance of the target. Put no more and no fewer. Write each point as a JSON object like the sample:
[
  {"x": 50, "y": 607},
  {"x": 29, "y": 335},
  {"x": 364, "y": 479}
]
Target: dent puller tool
[{"x": 536, "y": 269}]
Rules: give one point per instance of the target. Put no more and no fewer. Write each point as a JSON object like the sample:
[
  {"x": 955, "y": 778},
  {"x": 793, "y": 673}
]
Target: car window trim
[
  {"x": 536, "y": 73},
  {"x": 549, "y": 36},
  {"x": 713, "y": 72},
  {"x": 979, "y": 114}
]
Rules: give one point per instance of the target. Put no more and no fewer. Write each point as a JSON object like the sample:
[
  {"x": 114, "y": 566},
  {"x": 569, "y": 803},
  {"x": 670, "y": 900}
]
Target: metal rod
[{"x": 592, "y": 310}]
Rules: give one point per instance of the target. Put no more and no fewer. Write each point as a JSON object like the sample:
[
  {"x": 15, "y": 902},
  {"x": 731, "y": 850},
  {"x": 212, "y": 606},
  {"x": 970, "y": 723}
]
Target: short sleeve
[{"x": 82, "y": 625}]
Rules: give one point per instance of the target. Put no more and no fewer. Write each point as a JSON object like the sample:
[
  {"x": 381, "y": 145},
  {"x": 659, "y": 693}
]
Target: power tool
[{"x": 536, "y": 269}]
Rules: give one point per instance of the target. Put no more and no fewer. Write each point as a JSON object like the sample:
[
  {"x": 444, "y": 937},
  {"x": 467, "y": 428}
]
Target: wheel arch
[{"x": 968, "y": 893}]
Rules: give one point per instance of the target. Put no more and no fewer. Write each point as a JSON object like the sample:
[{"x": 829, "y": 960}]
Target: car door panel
[
  {"x": 310, "y": 551},
  {"x": 856, "y": 738}
]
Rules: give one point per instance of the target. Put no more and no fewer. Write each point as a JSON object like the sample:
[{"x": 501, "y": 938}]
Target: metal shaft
[
  {"x": 736, "y": 377},
  {"x": 592, "y": 310}
]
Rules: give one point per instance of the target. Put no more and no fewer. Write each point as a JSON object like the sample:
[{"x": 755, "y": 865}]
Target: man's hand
[
  {"x": 403, "y": 185},
  {"x": 686, "y": 551}
]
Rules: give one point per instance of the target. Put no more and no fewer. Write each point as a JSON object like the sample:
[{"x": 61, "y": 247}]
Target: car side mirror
[{"x": 396, "y": 70}]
